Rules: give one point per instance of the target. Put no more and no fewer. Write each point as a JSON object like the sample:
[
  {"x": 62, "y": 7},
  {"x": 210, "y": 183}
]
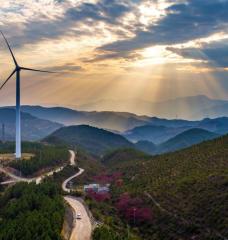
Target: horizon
[
  {"x": 109, "y": 111},
  {"x": 196, "y": 107}
]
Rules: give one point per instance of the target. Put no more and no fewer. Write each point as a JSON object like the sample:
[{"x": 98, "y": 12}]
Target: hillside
[
  {"x": 33, "y": 128},
  {"x": 94, "y": 140},
  {"x": 186, "y": 191},
  {"x": 44, "y": 157},
  {"x": 147, "y": 147},
  {"x": 186, "y": 139},
  {"x": 122, "y": 156}
]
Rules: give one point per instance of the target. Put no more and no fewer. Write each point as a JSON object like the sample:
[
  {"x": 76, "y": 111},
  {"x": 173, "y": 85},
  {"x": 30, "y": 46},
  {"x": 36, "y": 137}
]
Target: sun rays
[{"x": 75, "y": 35}]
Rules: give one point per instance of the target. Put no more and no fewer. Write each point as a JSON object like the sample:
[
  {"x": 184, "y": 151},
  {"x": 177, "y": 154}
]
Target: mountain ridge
[
  {"x": 182, "y": 140},
  {"x": 94, "y": 140}
]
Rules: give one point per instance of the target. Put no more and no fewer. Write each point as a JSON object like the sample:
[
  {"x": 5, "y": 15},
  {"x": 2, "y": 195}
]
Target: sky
[{"x": 153, "y": 50}]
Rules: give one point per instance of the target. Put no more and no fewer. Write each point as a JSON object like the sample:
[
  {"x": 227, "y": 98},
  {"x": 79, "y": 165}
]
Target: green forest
[
  {"x": 179, "y": 195},
  {"x": 30, "y": 211}
]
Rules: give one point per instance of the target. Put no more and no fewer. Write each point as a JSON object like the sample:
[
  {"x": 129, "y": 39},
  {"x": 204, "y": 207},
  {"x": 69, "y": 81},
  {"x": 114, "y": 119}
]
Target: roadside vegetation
[
  {"x": 91, "y": 165},
  {"x": 30, "y": 211},
  {"x": 44, "y": 157}
]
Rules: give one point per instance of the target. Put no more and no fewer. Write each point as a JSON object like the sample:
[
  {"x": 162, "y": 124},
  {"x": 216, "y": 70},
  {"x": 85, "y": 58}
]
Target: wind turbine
[{"x": 17, "y": 70}]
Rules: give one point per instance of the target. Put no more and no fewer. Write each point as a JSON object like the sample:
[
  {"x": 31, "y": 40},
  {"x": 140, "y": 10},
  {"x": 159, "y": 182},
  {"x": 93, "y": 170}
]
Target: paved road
[
  {"x": 82, "y": 227},
  {"x": 73, "y": 163},
  {"x": 38, "y": 180},
  {"x": 16, "y": 178},
  {"x": 72, "y": 158},
  {"x": 64, "y": 184}
]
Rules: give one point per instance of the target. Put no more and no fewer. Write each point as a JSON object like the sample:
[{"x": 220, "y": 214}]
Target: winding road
[
  {"x": 16, "y": 178},
  {"x": 72, "y": 163},
  {"x": 82, "y": 228},
  {"x": 64, "y": 184}
]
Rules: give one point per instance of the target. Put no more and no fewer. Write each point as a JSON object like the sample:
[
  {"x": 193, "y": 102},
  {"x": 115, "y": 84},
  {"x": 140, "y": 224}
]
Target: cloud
[
  {"x": 183, "y": 22},
  {"x": 105, "y": 10},
  {"x": 65, "y": 22},
  {"x": 215, "y": 53},
  {"x": 68, "y": 67},
  {"x": 109, "y": 56}
]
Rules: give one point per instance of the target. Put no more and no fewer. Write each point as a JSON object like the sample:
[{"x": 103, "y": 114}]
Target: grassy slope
[{"x": 192, "y": 183}]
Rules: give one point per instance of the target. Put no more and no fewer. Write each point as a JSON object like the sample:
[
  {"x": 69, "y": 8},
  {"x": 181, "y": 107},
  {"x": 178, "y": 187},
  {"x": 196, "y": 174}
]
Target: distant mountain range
[
  {"x": 146, "y": 132},
  {"x": 116, "y": 121},
  {"x": 192, "y": 107},
  {"x": 180, "y": 141},
  {"x": 186, "y": 139},
  {"x": 107, "y": 120},
  {"x": 96, "y": 141},
  {"x": 153, "y": 133},
  {"x": 170, "y": 128},
  {"x": 33, "y": 128}
]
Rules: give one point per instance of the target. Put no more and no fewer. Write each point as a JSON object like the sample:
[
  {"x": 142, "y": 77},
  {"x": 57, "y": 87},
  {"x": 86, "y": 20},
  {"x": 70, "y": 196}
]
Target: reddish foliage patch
[
  {"x": 119, "y": 182},
  {"x": 99, "y": 197},
  {"x": 107, "y": 178},
  {"x": 133, "y": 209}
]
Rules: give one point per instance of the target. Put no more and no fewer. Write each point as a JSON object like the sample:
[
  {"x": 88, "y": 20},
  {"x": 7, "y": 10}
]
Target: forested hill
[
  {"x": 186, "y": 139},
  {"x": 30, "y": 211},
  {"x": 186, "y": 190},
  {"x": 94, "y": 140}
]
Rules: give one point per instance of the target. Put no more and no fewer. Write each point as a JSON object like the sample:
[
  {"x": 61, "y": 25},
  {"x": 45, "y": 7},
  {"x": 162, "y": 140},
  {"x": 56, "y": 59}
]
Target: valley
[{"x": 157, "y": 190}]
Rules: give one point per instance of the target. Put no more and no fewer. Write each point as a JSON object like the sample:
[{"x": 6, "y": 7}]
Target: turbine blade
[
  {"x": 7, "y": 79},
  {"x": 14, "y": 59},
  {"x": 36, "y": 70}
]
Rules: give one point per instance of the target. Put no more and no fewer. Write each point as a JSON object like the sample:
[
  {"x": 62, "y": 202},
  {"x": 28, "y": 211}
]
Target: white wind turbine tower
[{"x": 17, "y": 70}]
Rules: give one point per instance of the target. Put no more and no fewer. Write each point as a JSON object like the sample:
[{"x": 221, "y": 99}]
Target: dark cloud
[
  {"x": 68, "y": 67},
  {"x": 118, "y": 55},
  {"x": 215, "y": 53},
  {"x": 183, "y": 22},
  {"x": 71, "y": 67},
  {"x": 108, "y": 11}
]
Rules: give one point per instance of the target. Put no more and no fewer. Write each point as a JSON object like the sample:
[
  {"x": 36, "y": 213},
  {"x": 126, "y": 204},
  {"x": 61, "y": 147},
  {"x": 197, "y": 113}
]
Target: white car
[{"x": 78, "y": 216}]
